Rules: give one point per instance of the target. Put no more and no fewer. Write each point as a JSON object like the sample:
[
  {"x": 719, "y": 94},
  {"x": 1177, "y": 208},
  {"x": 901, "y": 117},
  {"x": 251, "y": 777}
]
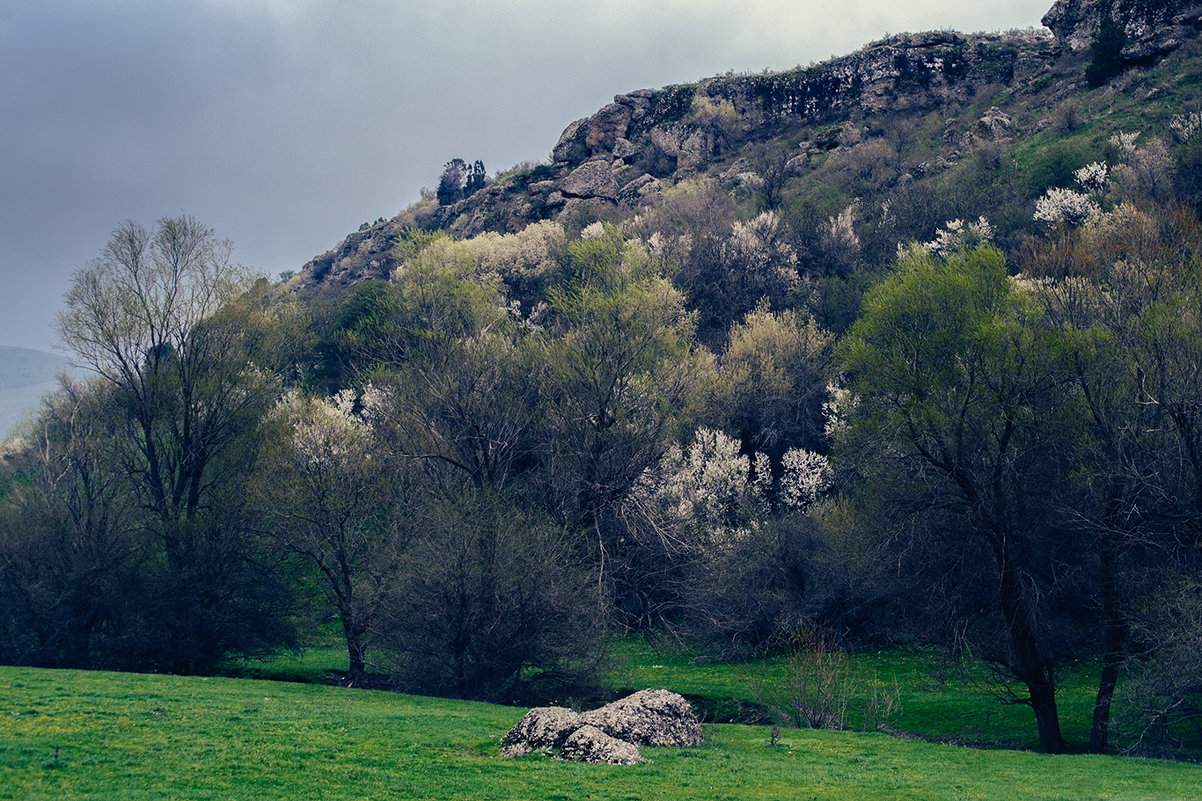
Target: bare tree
[{"x": 163, "y": 318}]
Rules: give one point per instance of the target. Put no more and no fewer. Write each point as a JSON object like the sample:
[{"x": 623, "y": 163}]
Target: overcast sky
[{"x": 284, "y": 124}]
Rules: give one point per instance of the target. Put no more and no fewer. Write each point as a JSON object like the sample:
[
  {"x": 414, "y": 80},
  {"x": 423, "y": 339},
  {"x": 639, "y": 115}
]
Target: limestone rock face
[
  {"x": 543, "y": 726},
  {"x": 589, "y": 744},
  {"x": 1153, "y": 27},
  {"x": 591, "y": 179},
  {"x": 649, "y": 717},
  {"x": 689, "y": 146}
]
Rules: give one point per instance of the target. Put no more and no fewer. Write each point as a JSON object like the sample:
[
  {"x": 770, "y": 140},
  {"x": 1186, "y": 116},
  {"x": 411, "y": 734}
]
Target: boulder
[
  {"x": 646, "y": 190},
  {"x": 994, "y": 126},
  {"x": 649, "y": 717},
  {"x": 571, "y": 147},
  {"x": 591, "y": 179},
  {"x": 541, "y": 727},
  {"x": 625, "y": 149},
  {"x": 606, "y": 127},
  {"x": 590, "y": 744}
]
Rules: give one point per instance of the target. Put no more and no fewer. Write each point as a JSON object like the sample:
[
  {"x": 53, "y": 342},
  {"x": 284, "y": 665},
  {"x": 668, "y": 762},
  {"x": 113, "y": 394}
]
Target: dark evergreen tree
[
  {"x": 1106, "y": 61},
  {"x": 450, "y": 184},
  {"x": 475, "y": 179}
]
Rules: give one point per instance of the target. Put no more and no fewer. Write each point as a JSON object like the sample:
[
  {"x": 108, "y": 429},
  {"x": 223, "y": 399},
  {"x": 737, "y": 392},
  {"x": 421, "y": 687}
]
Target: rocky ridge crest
[{"x": 621, "y": 156}]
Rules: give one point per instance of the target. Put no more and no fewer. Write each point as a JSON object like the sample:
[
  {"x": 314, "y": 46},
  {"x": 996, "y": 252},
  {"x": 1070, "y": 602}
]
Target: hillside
[
  {"x": 914, "y": 130},
  {"x": 898, "y": 350},
  {"x": 25, "y": 377}
]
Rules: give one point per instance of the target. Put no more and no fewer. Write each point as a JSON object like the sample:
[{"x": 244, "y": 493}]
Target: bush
[{"x": 488, "y": 603}]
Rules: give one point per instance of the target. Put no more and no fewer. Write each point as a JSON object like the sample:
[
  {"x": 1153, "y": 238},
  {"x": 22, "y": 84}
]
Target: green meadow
[{"x": 93, "y": 735}]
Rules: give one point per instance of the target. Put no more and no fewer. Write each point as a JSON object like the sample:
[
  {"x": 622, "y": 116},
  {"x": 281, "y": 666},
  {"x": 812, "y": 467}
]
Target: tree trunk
[
  {"x": 1047, "y": 718},
  {"x": 1029, "y": 666},
  {"x": 356, "y": 651},
  {"x": 1115, "y": 643}
]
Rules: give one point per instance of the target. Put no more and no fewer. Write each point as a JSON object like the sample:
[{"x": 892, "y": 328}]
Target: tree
[
  {"x": 450, "y": 183},
  {"x": 460, "y": 181},
  {"x": 620, "y": 366},
  {"x": 1121, "y": 293},
  {"x": 475, "y": 179},
  {"x": 1106, "y": 59},
  {"x": 957, "y": 395},
  {"x": 458, "y": 374},
  {"x": 165, "y": 320},
  {"x": 771, "y": 381},
  {"x": 488, "y": 600},
  {"x": 70, "y": 552},
  {"x": 326, "y": 497}
]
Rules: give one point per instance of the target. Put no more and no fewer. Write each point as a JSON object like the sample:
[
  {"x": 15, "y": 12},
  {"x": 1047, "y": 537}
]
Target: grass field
[
  {"x": 955, "y": 708},
  {"x": 76, "y": 735},
  {"x": 932, "y": 702}
]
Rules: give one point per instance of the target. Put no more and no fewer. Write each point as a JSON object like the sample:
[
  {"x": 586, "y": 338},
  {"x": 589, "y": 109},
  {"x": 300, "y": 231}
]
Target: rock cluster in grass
[{"x": 609, "y": 735}]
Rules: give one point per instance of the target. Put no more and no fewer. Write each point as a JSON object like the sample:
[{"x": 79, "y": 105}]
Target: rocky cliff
[
  {"x": 623, "y": 155},
  {"x": 1153, "y": 27}
]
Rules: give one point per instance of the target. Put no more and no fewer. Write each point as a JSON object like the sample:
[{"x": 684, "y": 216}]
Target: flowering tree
[
  {"x": 1064, "y": 207},
  {"x": 325, "y": 496}
]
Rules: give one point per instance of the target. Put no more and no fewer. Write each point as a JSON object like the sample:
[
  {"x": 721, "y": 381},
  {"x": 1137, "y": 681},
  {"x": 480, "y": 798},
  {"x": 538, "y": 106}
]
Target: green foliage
[
  {"x": 771, "y": 381},
  {"x": 958, "y": 392}
]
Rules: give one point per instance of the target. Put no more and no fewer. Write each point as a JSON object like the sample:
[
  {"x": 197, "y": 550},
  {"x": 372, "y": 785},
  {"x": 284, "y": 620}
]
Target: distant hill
[{"x": 26, "y": 376}]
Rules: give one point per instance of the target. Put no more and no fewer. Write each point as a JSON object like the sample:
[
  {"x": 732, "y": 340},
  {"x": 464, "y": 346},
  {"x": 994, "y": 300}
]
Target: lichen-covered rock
[
  {"x": 543, "y": 726},
  {"x": 646, "y": 190},
  {"x": 591, "y": 179},
  {"x": 606, "y": 127},
  {"x": 689, "y": 146},
  {"x": 571, "y": 147},
  {"x": 590, "y": 744},
  {"x": 649, "y": 717},
  {"x": 994, "y": 126},
  {"x": 516, "y": 750}
]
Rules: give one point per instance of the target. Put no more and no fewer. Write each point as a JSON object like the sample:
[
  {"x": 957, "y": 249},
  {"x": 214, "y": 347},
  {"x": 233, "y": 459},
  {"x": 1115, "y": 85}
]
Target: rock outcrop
[
  {"x": 590, "y": 744},
  {"x": 541, "y": 727},
  {"x": 619, "y": 156},
  {"x": 1153, "y": 27},
  {"x": 906, "y": 71},
  {"x": 609, "y": 735},
  {"x": 649, "y": 717},
  {"x": 593, "y": 179}
]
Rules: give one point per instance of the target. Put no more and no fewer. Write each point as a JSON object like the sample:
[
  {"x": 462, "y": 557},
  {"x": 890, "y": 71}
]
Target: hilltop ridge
[{"x": 984, "y": 89}]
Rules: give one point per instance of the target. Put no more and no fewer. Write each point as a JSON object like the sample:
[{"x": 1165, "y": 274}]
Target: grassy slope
[{"x": 72, "y": 734}]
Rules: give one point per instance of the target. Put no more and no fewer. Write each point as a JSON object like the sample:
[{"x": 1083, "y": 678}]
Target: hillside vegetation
[{"x": 896, "y": 351}]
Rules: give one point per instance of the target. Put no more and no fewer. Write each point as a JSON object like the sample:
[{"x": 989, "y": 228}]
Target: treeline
[{"x": 519, "y": 443}]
